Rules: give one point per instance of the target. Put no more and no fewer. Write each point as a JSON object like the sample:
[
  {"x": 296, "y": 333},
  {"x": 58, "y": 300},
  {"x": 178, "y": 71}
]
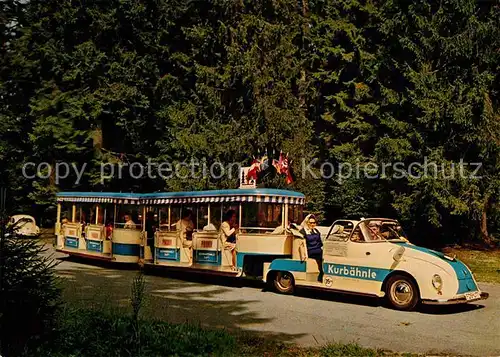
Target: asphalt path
[{"x": 309, "y": 318}]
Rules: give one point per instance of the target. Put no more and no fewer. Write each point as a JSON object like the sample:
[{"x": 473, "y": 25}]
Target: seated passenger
[
  {"x": 129, "y": 223},
  {"x": 186, "y": 227},
  {"x": 64, "y": 221},
  {"x": 278, "y": 230},
  {"x": 209, "y": 227},
  {"x": 229, "y": 229},
  {"x": 109, "y": 230}
]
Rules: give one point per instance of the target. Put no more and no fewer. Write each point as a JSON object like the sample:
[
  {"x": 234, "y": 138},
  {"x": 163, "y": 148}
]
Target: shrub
[{"x": 29, "y": 294}]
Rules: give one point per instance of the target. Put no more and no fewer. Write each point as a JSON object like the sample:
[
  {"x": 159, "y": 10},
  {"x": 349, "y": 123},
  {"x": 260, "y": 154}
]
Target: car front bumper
[{"x": 461, "y": 299}]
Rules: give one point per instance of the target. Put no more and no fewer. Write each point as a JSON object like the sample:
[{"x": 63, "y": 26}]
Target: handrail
[
  {"x": 138, "y": 226},
  {"x": 261, "y": 228}
]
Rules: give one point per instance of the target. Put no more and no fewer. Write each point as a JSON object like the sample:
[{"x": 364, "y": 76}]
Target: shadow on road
[
  {"x": 99, "y": 263},
  {"x": 376, "y": 302},
  {"x": 207, "y": 280},
  {"x": 176, "y": 301},
  {"x": 339, "y": 297},
  {"x": 449, "y": 309}
]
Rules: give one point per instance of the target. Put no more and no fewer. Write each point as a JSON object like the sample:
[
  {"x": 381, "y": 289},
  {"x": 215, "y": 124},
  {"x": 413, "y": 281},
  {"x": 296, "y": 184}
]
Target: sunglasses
[{"x": 313, "y": 222}]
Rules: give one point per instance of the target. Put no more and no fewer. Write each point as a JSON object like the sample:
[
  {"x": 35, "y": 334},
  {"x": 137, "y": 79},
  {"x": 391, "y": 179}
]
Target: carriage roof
[{"x": 265, "y": 195}]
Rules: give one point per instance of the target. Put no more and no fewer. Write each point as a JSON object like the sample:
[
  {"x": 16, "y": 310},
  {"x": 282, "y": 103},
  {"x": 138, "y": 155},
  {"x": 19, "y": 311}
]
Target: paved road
[{"x": 309, "y": 318}]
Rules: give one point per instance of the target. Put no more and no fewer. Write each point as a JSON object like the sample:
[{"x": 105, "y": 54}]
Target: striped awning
[
  {"x": 222, "y": 199},
  {"x": 131, "y": 201},
  {"x": 167, "y": 201}
]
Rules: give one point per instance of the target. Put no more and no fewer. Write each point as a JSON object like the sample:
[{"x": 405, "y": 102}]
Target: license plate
[{"x": 473, "y": 295}]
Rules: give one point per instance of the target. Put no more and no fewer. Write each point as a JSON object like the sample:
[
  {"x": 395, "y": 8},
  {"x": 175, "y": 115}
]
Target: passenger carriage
[
  {"x": 99, "y": 225},
  {"x": 262, "y": 217}
]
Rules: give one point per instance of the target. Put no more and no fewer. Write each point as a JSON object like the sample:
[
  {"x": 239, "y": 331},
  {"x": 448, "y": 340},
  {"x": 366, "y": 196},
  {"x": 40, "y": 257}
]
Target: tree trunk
[
  {"x": 305, "y": 7},
  {"x": 485, "y": 236},
  {"x": 52, "y": 177}
]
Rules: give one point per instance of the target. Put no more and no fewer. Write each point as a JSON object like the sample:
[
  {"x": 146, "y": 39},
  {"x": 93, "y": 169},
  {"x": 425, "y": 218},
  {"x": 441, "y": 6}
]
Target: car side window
[
  {"x": 358, "y": 236},
  {"x": 340, "y": 232}
]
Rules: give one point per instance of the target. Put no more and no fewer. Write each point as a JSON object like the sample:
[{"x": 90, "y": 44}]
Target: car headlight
[{"x": 437, "y": 282}]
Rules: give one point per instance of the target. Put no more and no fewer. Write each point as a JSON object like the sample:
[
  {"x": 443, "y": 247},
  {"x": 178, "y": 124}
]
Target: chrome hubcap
[
  {"x": 401, "y": 292},
  {"x": 284, "y": 281}
]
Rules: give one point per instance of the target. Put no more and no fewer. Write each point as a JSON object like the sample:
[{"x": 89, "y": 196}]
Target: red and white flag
[
  {"x": 285, "y": 169},
  {"x": 278, "y": 164},
  {"x": 254, "y": 170}
]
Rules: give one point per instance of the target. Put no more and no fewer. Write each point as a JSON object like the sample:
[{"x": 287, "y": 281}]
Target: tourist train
[{"x": 260, "y": 233}]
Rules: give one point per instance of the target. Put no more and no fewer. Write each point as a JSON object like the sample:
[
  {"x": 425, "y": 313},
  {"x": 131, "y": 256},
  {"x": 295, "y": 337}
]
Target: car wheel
[
  {"x": 284, "y": 282},
  {"x": 402, "y": 293}
]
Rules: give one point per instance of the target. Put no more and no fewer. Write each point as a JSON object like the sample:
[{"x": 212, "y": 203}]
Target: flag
[
  {"x": 254, "y": 170},
  {"x": 285, "y": 167},
  {"x": 278, "y": 164},
  {"x": 284, "y": 164}
]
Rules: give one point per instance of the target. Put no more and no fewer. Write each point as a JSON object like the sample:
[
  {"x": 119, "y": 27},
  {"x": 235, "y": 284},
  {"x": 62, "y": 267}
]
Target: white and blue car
[{"x": 373, "y": 257}]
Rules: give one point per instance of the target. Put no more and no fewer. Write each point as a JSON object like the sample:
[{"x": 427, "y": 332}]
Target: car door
[
  {"x": 355, "y": 263},
  {"x": 335, "y": 255}
]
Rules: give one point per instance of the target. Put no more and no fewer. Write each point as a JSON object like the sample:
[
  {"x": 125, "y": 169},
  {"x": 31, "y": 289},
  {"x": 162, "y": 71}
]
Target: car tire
[
  {"x": 284, "y": 282},
  {"x": 402, "y": 293}
]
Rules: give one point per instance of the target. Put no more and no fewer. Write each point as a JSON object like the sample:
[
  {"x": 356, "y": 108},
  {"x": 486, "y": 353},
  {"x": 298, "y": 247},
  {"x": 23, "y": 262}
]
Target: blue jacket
[{"x": 313, "y": 240}]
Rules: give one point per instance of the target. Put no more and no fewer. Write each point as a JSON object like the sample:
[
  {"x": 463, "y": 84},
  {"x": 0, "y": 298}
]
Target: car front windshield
[{"x": 382, "y": 230}]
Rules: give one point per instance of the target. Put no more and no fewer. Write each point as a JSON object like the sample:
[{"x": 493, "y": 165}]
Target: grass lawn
[
  {"x": 485, "y": 264},
  {"x": 88, "y": 332}
]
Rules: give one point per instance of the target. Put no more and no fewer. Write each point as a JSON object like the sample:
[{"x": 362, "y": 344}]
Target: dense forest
[{"x": 346, "y": 81}]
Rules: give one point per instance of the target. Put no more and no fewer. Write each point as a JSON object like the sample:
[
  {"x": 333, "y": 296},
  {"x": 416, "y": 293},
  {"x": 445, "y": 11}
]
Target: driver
[{"x": 374, "y": 231}]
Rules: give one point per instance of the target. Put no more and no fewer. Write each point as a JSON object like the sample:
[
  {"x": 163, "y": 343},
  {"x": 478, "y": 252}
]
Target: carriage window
[
  {"x": 84, "y": 213},
  {"x": 201, "y": 216},
  {"x": 67, "y": 211},
  {"x": 191, "y": 208},
  {"x": 108, "y": 214},
  {"x": 232, "y": 206},
  {"x": 151, "y": 221},
  {"x": 129, "y": 217},
  {"x": 163, "y": 218},
  {"x": 216, "y": 214},
  {"x": 262, "y": 216},
  {"x": 105, "y": 213},
  {"x": 98, "y": 211},
  {"x": 294, "y": 214},
  {"x": 175, "y": 215}
]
